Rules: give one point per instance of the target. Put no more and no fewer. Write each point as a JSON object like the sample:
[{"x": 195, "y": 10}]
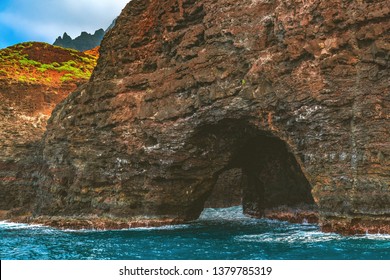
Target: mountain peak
[{"x": 85, "y": 41}]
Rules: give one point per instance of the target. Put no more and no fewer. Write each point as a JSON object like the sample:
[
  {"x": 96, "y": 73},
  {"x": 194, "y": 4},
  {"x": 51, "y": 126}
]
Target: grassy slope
[{"x": 44, "y": 64}]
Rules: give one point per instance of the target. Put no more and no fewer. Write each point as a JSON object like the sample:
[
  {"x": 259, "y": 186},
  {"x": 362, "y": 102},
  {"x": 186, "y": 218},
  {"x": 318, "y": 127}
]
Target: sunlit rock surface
[{"x": 34, "y": 78}]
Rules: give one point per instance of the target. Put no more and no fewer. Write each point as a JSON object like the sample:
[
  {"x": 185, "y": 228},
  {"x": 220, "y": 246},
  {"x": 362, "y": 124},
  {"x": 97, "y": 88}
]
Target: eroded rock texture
[
  {"x": 293, "y": 93},
  {"x": 30, "y": 88},
  {"x": 24, "y": 111}
]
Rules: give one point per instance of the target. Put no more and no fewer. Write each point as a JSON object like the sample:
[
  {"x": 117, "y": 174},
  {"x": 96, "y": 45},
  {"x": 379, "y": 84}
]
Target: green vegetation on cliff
[{"x": 41, "y": 63}]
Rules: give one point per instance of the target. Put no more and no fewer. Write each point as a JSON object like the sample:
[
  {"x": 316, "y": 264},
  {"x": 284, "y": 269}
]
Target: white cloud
[{"x": 47, "y": 19}]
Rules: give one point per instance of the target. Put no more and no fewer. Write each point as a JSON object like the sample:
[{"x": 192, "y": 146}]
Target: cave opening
[{"x": 257, "y": 170}]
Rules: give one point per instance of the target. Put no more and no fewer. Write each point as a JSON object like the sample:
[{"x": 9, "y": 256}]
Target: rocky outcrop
[
  {"x": 34, "y": 78},
  {"x": 294, "y": 94},
  {"x": 227, "y": 191}
]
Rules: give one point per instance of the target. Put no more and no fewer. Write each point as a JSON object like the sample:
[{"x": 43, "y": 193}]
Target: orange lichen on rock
[{"x": 34, "y": 78}]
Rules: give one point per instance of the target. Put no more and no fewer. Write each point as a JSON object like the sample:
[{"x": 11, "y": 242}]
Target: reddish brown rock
[
  {"x": 94, "y": 222},
  {"x": 297, "y": 215},
  {"x": 295, "y": 94},
  {"x": 34, "y": 78}
]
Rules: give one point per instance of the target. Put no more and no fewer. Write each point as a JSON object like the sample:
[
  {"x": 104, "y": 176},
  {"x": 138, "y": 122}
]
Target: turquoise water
[{"x": 219, "y": 234}]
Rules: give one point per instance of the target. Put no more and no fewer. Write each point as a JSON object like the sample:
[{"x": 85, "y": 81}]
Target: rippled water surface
[{"x": 218, "y": 234}]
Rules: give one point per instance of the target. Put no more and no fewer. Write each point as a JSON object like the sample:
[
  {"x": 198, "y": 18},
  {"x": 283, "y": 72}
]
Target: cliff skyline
[{"x": 18, "y": 24}]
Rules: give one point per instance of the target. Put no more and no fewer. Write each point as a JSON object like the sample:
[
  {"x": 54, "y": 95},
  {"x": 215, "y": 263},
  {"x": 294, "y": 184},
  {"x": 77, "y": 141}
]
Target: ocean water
[{"x": 219, "y": 234}]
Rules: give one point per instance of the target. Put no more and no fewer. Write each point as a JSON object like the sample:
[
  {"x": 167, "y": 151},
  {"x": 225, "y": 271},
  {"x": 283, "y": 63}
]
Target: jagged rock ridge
[
  {"x": 292, "y": 94},
  {"x": 85, "y": 41}
]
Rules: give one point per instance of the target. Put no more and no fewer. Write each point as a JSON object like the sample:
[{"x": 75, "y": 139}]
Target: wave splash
[{"x": 226, "y": 214}]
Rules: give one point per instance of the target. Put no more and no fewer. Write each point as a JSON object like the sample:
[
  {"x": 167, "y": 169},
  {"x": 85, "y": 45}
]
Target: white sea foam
[
  {"x": 10, "y": 225},
  {"x": 295, "y": 237},
  {"x": 300, "y": 237},
  {"x": 385, "y": 237},
  {"x": 231, "y": 213},
  {"x": 168, "y": 227}
]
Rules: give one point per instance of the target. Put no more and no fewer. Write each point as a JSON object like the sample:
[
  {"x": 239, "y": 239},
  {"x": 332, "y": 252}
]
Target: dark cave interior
[{"x": 260, "y": 171}]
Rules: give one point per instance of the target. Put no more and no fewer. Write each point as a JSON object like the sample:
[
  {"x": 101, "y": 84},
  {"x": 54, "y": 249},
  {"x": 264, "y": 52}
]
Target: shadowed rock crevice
[{"x": 261, "y": 172}]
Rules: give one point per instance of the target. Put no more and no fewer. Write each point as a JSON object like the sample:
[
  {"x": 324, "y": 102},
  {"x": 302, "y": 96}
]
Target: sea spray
[{"x": 217, "y": 234}]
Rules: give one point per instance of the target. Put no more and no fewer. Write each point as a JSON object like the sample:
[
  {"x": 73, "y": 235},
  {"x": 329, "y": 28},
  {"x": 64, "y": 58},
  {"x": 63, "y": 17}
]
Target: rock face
[
  {"x": 227, "y": 191},
  {"x": 292, "y": 94},
  {"x": 34, "y": 78}
]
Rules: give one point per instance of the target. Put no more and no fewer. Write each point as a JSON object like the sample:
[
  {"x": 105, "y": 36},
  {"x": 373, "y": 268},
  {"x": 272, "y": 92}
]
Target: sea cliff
[{"x": 293, "y": 96}]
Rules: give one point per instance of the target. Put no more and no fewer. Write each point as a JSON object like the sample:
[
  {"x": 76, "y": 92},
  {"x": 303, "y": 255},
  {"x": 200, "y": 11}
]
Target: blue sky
[{"x": 45, "y": 20}]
